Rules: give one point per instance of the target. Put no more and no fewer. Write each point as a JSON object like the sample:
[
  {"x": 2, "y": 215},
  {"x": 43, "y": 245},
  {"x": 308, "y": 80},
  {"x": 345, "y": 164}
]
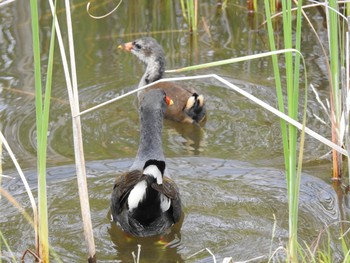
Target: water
[
  {"x": 230, "y": 172},
  {"x": 229, "y": 208}
]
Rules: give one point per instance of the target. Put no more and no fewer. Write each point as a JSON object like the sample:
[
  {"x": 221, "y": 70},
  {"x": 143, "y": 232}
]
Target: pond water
[{"x": 230, "y": 171}]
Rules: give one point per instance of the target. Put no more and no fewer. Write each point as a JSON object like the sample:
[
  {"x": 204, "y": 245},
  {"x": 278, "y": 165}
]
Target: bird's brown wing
[
  {"x": 170, "y": 190},
  {"x": 180, "y": 96},
  {"x": 123, "y": 185}
]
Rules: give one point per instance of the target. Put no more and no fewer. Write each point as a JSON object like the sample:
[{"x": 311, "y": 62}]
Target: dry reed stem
[
  {"x": 26, "y": 185},
  {"x": 71, "y": 81}
]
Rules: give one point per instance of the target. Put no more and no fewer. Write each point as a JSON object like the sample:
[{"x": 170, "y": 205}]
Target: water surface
[{"x": 230, "y": 171}]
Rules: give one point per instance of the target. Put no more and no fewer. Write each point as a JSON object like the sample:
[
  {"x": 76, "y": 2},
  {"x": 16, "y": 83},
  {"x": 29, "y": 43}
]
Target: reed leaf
[
  {"x": 293, "y": 173},
  {"x": 335, "y": 99},
  {"x": 42, "y": 120},
  {"x": 39, "y": 236},
  {"x": 190, "y": 13},
  {"x": 233, "y": 60},
  {"x": 2, "y": 239}
]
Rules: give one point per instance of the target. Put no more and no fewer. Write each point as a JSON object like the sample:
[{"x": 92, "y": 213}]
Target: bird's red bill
[
  {"x": 168, "y": 100},
  {"x": 127, "y": 46}
]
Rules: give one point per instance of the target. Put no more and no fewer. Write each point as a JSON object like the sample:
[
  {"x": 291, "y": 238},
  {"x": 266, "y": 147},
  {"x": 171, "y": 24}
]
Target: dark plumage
[
  {"x": 188, "y": 105},
  {"x": 144, "y": 202}
]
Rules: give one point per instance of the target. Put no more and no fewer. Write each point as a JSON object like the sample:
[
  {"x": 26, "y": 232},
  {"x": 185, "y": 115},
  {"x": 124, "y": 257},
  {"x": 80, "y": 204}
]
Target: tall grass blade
[
  {"x": 42, "y": 235},
  {"x": 234, "y": 60},
  {"x": 42, "y": 150},
  {"x": 3, "y": 240},
  {"x": 289, "y": 136},
  {"x": 335, "y": 100},
  {"x": 347, "y": 94}
]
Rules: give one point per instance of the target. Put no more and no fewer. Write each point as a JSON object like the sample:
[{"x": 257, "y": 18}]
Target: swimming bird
[
  {"x": 189, "y": 106},
  {"x": 144, "y": 201}
]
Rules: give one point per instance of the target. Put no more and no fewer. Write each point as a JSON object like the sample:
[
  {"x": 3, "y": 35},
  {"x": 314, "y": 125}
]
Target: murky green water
[{"x": 230, "y": 172}]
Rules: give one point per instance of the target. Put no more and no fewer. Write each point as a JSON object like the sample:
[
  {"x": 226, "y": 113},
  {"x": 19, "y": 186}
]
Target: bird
[
  {"x": 146, "y": 202},
  {"x": 189, "y": 106}
]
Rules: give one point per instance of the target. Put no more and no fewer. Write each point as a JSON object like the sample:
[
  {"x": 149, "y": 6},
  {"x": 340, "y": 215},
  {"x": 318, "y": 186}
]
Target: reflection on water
[
  {"x": 160, "y": 248},
  {"x": 229, "y": 208}
]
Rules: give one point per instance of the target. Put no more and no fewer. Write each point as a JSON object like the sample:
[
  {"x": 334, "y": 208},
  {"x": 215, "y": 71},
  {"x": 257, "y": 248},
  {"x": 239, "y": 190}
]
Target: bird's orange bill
[
  {"x": 168, "y": 101},
  {"x": 127, "y": 46}
]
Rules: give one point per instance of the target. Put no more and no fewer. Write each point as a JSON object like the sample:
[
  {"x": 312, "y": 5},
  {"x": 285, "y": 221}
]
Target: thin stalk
[
  {"x": 290, "y": 137},
  {"x": 195, "y": 15},
  {"x": 272, "y": 7},
  {"x": 42, "y": 152},
  {"x": 78, "y": 146},
  {"x": 255, "y": 5},
  {"x": 294, "y": 108},
  {"x": 183, "y": 9},
  {"x": 77, "y": 139},
  {"x": 278, "y": 83},
  {"x": 347, "y": 96},
  {"x": 42, "y": 235},
  {"x": 191, "y": 14},
  {"x": 2, "y": 239},
  {"x": 332, "y": 19}
]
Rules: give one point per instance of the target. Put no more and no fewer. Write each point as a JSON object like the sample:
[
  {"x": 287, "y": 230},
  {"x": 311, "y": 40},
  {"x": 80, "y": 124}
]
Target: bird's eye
[{"x": 137, "y": 46}]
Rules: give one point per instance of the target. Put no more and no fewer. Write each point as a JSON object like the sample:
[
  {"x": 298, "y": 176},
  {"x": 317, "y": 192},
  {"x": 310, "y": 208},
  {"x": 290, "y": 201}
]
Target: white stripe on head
[
  {"x": 137, "y": 194},
  {"x": 152, "y": 170}
]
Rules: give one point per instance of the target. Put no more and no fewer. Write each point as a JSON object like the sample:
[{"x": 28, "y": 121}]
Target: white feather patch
[
  {"x": 137, "y": 194},
  {"x": 190, "y": 102},
  {"x": 201, "y": 100},
  {"x": 164, "y": 203},
  {"x": 152, "y": 170}
]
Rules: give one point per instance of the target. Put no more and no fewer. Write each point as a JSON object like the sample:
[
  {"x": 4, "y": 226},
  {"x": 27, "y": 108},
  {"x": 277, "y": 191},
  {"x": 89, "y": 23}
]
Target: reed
[
  {"x": 3, "y": 240},
  {"x": 289, "y": 134},
  {"x": 335, "y": 99},
  {"x": 73, "y": 95},
  {"x": 42, "y": 120},
  {"x": 190, "y": 13}
]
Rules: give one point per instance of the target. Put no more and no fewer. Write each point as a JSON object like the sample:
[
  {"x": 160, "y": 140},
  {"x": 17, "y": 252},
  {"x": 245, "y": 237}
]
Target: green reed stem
[
  {"x": 278, "y": 83},
  {"x": 272, "y": 7},
  {"x": 42, "y": 120},
  {"x": 335, "y": 94},
  {"x": 191, "y": 14},
  {"x": 38, "y": 92},
  {"x": 289, "y": 136},
  {"x": 255, "y": 5}
]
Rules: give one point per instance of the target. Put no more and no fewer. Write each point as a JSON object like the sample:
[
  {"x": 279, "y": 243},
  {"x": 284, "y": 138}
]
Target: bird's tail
[{"x": 195, "y": 107}]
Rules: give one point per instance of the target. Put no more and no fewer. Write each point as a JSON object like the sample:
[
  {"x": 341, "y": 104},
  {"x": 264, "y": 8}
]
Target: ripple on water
[{"x": 229, "y": 208}]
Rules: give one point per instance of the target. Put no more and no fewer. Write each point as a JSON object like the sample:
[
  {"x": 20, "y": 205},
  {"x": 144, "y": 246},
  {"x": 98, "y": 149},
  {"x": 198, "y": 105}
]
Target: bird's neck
[
  {"x": 150, "y": 146},
  {"x": 154, "y": 71}
]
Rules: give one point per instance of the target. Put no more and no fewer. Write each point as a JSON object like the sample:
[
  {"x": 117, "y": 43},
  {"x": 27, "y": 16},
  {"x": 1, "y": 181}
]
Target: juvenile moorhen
[
  {"x": 188, "y": 105},
  {"x": 144, "y": 202}
]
